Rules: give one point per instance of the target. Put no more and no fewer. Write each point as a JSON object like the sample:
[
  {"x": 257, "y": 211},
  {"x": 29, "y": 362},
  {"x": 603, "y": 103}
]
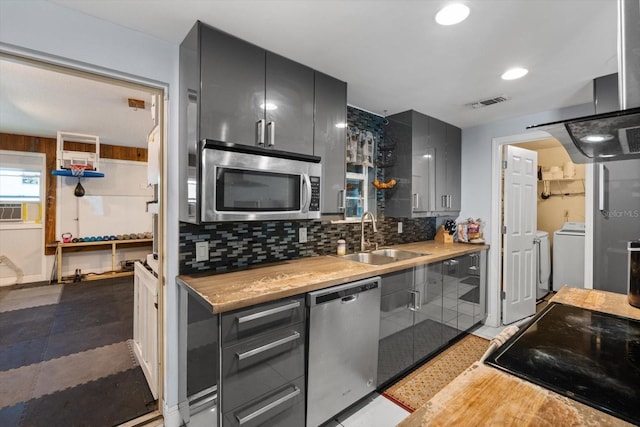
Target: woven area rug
[{"x": 418, "y": 387}]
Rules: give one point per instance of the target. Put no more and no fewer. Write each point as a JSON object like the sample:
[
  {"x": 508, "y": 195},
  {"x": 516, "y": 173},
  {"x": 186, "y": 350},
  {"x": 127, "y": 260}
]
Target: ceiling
[
  {"x": 41, "y": 101},
  {"x": 391, "y": 52}
]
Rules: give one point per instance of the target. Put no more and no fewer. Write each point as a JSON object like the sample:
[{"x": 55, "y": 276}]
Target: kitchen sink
[
  {"x": 369, "y": 258},
  {"x": 382, "y": 256},
  {"x": 398, "y": 254}
]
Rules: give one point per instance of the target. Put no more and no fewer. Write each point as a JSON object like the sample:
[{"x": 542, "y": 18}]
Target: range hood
[{"x": 612, "y": 135}]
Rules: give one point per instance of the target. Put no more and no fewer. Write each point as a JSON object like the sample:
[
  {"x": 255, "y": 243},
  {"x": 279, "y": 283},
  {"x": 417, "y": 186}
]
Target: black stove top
[{"x": 589, "y": 356}]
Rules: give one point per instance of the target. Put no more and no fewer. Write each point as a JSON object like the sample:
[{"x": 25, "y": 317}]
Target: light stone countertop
[{"x": 269, "y": 282}]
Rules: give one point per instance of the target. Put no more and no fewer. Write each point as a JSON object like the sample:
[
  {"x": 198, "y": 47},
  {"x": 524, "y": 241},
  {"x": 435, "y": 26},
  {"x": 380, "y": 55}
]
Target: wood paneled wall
[{"x": 48, "y": 146}]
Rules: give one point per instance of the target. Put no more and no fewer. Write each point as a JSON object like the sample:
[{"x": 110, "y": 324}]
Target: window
[
  {"x": 20, "y": 195},
  {"x": 360, "y": 149},
  {"x": 19, "y": 185}
]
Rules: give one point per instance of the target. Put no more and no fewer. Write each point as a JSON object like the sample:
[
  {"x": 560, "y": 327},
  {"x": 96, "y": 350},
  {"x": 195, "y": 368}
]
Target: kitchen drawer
[
  {"x": 250, "y": 321},
  {"x": 255, "y": 367},
  {"x": 283, "y": 407}
]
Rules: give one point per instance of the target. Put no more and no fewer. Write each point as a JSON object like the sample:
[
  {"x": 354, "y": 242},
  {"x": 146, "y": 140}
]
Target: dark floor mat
[
  {"x": 89, "y": 315},
  {"x": 21, "y": 353},
  {"x": 65, "y": 343},
  {"x": 472, "y": 296},
  {"x": 13, "y": 331},
  {"x": 108, "y": 401},
  {"x": 471, "y": 280},
  {"x": 10, "y": 415}
]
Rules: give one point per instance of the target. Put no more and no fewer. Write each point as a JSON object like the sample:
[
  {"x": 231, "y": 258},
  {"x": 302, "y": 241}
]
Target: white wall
[
  {"x": 113, "y": 205},
  {"x": 46, "y": 28},
  {"x": 477, "y": 146}
]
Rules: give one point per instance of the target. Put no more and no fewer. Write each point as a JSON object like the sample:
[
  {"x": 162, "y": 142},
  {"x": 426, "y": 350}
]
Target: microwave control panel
[{"x": 314, "y": 205}]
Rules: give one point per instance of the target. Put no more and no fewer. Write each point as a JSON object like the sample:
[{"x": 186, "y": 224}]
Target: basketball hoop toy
[
  {"x": 78, "y": 164},
  {"x": 78, "y": 171}
]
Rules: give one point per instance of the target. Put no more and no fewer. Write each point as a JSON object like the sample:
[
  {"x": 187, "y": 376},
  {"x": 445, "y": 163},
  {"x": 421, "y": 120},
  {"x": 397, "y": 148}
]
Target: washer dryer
[
  {"x": 568, "y": 256},
  {"x": 543, "y": 264}
]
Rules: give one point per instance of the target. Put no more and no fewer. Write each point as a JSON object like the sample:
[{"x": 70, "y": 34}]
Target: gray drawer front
[
  {"x": 283, "y": 407},
  {"x": 250, "y": 321},
  {"x": 255, "y": 367}
]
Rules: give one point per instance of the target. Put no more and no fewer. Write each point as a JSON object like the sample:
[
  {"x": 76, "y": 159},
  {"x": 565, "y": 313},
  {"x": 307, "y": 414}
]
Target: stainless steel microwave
[{"x": 244, "y": 183}]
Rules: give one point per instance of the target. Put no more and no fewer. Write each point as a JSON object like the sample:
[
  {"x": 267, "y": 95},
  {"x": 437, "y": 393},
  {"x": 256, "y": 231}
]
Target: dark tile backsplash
[{"x": 237, "y": 245}]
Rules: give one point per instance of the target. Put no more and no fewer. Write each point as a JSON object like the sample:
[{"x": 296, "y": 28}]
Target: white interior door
[{"x": 519, "y": 221}]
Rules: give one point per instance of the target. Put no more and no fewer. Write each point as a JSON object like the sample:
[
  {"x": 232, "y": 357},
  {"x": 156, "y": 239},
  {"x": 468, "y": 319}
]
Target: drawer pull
[
  {"x": 274, "y": 344},
  {"x": 270, "y": 406},
  {"x": 275, "y": 310}
]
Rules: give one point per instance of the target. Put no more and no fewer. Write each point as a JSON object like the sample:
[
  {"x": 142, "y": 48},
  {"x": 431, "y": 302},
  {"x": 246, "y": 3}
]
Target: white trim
[
  {"x": 176, "y": 416},
  {"x": 73, "y": 65},
  {"x": 8, "y": 281},
  {"x": 19, "y": 225}
]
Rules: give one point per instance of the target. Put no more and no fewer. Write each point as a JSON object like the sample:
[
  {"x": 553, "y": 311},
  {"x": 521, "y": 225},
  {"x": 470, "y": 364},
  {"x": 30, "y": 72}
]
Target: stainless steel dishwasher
[{"x": 344, "y": 322}]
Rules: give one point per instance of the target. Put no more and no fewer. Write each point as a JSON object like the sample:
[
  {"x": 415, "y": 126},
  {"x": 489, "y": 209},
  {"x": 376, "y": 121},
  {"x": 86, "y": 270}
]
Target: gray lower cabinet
[
  {"x": 202, "y": 350},
  {"x": 425, "y": 307},
  {"x": 263, "y": 365},
  {"x": 464, "y": 286},
  {"x": 329, "y": 140},
  {"x": 410, "y": 320}
]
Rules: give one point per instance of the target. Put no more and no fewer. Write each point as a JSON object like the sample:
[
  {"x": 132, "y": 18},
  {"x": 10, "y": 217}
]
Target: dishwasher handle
[{"x": 343, "y": 292}]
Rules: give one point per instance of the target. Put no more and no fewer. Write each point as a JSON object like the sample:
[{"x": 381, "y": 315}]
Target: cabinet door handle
[
  {"x": 412, "y": 304},
  {"x": 601, "y": 182},
  {"x": 266, "y": 313},
  {"x": 271, "y": 137},
  {"x": 416, "y": 201},
  {"x": 268, "y": 407},
  {"x": 271, "y": 345},
  {"x": 449, "y": 198},
  {"x": 261, "y": 127}
]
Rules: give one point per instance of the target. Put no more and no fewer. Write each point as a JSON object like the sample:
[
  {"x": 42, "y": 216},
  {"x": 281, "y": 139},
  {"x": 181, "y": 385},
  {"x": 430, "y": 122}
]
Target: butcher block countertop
[
  {"x": 238, "y": 289},
  {"x": 485, "y": 396}
]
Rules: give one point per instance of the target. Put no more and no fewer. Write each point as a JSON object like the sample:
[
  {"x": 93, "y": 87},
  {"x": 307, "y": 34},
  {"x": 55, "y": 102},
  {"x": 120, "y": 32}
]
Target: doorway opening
[
  {"x": 498, "y": 294},
  {"x": 71, "y": 332}
]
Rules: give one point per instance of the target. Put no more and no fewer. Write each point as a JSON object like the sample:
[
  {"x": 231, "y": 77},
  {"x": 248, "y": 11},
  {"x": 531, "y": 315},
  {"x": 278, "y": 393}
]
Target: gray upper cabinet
[
  {"x": 445, "y": 139},
  {"x": 331, "y": 110},
  {"x": 251, "y": 96},
  {"x": 427, "y": 168},
  {"x": 414, "y": 169},
  {"x": 289, "y": 105},
  {"x": 232, "y": 87}
]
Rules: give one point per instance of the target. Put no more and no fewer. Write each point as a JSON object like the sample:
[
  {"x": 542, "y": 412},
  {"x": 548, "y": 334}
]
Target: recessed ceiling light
[
  {"x": 452, "y": 14},
  {"x": 514, "y": 73},
  {"x": 269, "y": 106},
  {"x": 596, "y": 138}
]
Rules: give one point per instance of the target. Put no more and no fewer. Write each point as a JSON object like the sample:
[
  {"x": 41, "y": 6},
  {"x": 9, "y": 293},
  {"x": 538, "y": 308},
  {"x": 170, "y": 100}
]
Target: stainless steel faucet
[{"x": 373, "y": 222}]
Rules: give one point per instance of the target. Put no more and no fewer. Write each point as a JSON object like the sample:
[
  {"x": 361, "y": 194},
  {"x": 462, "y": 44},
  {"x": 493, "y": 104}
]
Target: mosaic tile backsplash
[{"x": 237, "y": 245}]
